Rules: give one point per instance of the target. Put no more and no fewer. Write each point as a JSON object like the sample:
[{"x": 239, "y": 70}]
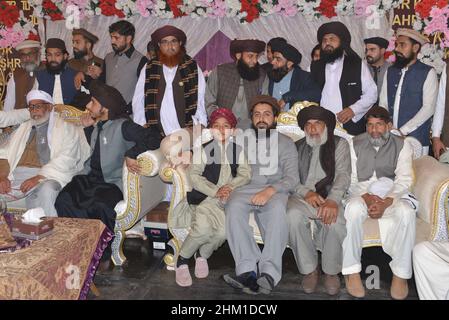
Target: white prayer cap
[
  {"x": 28, "y": 44},
  {"x": 381, "y": 187},
  {"x": 39, "y": 95}
]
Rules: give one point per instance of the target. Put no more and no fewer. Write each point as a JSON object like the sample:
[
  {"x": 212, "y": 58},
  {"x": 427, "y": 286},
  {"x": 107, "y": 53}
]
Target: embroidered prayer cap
[
  {"x": 378, "y": 112},
  {"x": 412, "y": 34},
  {"x": 246, "y": 45},
  {"x": 56, "y": 43},
  {"x": 223, "y": 113},
  {"x": 316, "y": 113},
  {"x": 381, "y": 42},
  {"x": 39, "y": 95},
  {"x": 265, "y": 99},
  {"x": 28, "y": 44},
  {"x": 288, "y": 51},
  {"x": 86, "y": 34},
  {"x": 167, "y": 31},
  {"x": 110, "y": 98}
]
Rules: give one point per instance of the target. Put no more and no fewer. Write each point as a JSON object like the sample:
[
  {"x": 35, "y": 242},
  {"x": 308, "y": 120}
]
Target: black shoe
[
  {"x": 247, "y": 282},
  {"x": 266, "y": 283}
]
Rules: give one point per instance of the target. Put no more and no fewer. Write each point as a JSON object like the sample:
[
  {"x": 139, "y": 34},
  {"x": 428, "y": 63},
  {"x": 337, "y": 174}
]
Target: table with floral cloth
[{"x": 60, "y": 266}]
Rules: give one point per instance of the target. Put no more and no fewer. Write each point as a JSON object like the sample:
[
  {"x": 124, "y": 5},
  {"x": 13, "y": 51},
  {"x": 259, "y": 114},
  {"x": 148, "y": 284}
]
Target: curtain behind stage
[{"x": 300, "y": 32}]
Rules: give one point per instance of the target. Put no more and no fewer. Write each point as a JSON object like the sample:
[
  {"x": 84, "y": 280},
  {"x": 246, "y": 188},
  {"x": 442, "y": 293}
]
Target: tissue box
[{"x": 32, "y": 231}]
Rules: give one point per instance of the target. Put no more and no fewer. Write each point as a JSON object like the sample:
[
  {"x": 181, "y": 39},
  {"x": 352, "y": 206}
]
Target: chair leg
[
  {"x": 94, "y": 290},
  {"x": 117, "y": 248}
]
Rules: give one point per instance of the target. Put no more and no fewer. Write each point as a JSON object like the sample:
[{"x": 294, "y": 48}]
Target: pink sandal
[
  {"x": 201, "y": 268},
  {"x": 183, "y": 277}
]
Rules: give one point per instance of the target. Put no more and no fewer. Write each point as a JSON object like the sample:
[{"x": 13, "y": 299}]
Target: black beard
[
  {"x": 371, "y": 61},
  {"x": 248, "y": 73},
  {"x": 119, "y": 49},
  {"x": 56, "y": 70},
  {"x": 263, "y": 132},
  {"x": 330, "y": 57},
  {"x": 402, "y": 62},
  {"x": 79, "y": 54},
  {"x": 277, "y": 74}
]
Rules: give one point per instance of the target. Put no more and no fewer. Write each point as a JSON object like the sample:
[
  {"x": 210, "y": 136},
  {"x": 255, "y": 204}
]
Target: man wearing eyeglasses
[
  {"x": 169, "y": 94},
  {"x": 41, "y": 156},
  {"x": 23, "y": 79}
]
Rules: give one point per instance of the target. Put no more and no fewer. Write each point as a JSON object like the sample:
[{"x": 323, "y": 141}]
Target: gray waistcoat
[
  {"x": 383, "y": 162},
  {"x": 121, "y": 72},
  {"x": 112, "y": 149}
]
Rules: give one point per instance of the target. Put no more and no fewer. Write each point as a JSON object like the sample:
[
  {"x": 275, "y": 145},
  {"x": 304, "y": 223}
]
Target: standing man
[
  {"x": 58, "y": 79},
  {"x": 121, "y": 66},
  {"x": 233, "y": 85},
  {"x": 324, "y": 173},
  {"x": 83, "y": 44},
  {"x": 288, "y": 82},
  {"x": 266, "y": 196},
  {"x": 410, "y": 88},
  {"x": 23, "y": 79},
  {"x": 267, "y": 66},
  {"x": 348, "y": 89},
  {"x": 381, "y": 182},
  {"x": 375, "y": 56},
  {"x": 169, "y": 94},
  {"x": 440, "y": 123}
]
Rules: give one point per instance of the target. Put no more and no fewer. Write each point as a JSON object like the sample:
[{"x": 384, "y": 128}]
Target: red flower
[
  {"x": 327, "y": 8},
  {"x": 108, "y": 8},
  {"x": 423, "y": 8},
  {"x": 33, "y": 36},
  {"x": 9, "y": 14},
  {"x": 174, "y": 7},
  {"x": 52, "y": 10},
  {"x": 251, "y": 8},
  {"x": 442, "y": 3}
]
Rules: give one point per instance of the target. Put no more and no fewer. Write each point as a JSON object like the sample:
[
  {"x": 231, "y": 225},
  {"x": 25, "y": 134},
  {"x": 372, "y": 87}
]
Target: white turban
[
  {"x": 28, "y": 44},
  {"x": 39, "y": 95}
]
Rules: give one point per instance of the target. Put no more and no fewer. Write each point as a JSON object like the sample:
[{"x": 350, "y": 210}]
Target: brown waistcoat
[{"x": 24, "y": 83}]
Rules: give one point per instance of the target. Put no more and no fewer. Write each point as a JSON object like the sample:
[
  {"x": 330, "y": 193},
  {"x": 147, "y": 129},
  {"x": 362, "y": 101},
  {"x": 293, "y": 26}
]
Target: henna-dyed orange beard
[{"x": 172, "y": 60}]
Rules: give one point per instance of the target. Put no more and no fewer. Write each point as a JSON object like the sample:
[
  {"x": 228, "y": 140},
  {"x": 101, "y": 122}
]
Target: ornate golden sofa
[
  {"x": 141, "y": 193},
  {"x": 431, "y": 187}
]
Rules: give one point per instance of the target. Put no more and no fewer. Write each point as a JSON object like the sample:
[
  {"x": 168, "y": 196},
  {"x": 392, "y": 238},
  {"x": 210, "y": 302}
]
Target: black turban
[
  {"x": 327, "y": 150},
  {"x": 381, "y": 42},
  {"x": 339, "y": 29},
  {"x": 248, "y": 45},
  {"x": 110, "y": 98},
  {"x": 288, "y": 51},
  {"x": 317, "y": 113}
]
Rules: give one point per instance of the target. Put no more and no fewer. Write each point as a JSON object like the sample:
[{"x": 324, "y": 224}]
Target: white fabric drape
[{"x": 300, "y": 32}]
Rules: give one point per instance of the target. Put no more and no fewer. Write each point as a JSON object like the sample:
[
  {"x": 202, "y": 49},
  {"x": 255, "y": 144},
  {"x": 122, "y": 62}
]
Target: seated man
[
  {"x": 113, "y": 138},
  {"x": 42, "y": 155},
  {"x": 274, "y": 166},
  {"x": 324, "y": 173},
  {"x": 381, "y": 182}
]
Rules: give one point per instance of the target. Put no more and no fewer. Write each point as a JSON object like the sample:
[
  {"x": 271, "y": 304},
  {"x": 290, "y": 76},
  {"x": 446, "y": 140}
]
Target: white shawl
[{"x": 68, "y": 149}]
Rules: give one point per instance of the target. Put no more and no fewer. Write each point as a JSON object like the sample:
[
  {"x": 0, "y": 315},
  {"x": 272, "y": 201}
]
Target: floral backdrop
[{"x": 432, "y": 16}]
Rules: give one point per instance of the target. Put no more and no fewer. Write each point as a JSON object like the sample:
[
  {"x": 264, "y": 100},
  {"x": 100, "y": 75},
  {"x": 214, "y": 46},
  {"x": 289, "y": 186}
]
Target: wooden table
[{"x": 60, "y": 266}]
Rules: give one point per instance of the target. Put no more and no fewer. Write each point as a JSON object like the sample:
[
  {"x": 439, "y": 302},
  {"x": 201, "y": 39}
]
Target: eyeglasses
[
  {"x": 38, "y": 106},
  {"x": 167, "y": 43}
]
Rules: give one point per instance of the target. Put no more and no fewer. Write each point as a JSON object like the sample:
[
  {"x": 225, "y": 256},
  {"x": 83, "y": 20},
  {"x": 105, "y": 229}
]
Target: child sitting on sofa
[{"x": 218, "y": 167}]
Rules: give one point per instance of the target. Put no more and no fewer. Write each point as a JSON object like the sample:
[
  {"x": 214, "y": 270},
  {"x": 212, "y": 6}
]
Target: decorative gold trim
[
  {"x": 69, "y": 113},
  {"x": 436, "y": 199},
  {"x": 146, "y": 165}
]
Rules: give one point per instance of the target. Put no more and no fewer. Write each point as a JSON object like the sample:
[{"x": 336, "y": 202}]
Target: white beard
[{"x": 316, "y": 142}]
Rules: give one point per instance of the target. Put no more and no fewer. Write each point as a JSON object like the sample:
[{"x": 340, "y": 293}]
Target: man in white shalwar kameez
[
  {"x": 41, "y": 156},
  {"x": 431, "y": 268},
  {"x": 382, "y": 176}
]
